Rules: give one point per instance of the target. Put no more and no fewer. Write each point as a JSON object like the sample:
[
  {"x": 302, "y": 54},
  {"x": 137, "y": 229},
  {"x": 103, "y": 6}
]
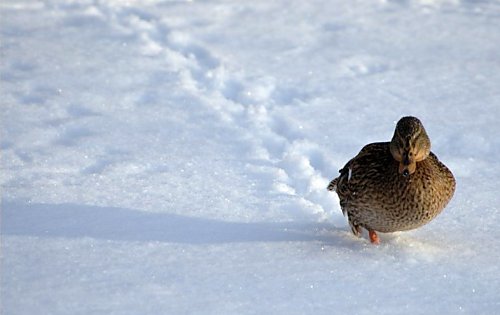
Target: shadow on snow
[{"x": 109, "y": 223}]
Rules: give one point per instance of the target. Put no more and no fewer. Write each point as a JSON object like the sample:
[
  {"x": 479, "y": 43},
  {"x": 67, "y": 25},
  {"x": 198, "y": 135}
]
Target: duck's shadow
[{"x": 109, "y": 223}]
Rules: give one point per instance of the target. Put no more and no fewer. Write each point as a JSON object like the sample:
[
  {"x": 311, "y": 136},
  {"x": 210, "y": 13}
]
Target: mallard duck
[{"x": 394, "y": 186}]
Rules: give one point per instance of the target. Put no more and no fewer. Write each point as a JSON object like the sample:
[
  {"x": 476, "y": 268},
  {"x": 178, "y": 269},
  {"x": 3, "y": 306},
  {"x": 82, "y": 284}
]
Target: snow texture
[{"x": 172, "y": 157}]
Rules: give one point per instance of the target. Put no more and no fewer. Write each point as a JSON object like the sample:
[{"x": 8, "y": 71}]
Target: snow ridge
[{"x": 282, "y": 157}]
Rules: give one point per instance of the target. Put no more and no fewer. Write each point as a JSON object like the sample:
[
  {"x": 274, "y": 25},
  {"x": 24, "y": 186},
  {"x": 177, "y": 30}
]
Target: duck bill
[{"x": 407, "y": 169}]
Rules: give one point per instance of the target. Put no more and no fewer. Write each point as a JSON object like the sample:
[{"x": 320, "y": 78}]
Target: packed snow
[{"x": 172, "y": 157}]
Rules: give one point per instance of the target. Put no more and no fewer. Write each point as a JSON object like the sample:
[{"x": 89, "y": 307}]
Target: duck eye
[{"x": 406, "y": 173}]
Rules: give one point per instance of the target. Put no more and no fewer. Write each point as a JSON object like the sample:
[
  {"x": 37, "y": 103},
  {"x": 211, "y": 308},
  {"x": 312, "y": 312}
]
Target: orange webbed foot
[{"x": 374, "y": 237}]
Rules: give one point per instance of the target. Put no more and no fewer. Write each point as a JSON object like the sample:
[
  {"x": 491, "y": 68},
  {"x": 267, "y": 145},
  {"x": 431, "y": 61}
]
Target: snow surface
[{"x": 172, "y": 157}]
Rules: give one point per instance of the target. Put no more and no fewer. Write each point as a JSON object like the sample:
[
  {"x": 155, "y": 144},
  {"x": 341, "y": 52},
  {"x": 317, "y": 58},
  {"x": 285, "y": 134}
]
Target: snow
[{"x": 172, "y": 157}]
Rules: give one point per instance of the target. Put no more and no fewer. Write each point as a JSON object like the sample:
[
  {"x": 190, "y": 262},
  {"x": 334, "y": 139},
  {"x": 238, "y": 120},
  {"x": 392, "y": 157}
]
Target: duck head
[{"x": 410, "y": 144}]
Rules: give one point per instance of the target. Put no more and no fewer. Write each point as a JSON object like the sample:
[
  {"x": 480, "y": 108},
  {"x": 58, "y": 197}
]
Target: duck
[{"x": 394, "y": 186}]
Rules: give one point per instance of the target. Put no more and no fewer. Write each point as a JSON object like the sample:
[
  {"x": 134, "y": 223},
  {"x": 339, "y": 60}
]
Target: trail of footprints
[{"x": 283, "y": 157}]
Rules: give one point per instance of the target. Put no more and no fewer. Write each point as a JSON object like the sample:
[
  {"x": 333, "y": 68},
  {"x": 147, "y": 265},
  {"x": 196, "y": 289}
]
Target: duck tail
[{"x": 333, "y": 185}]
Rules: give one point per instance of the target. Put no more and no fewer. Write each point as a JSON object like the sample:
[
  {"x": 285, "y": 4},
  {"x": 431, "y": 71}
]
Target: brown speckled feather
[{"x": 375, "y": 196}]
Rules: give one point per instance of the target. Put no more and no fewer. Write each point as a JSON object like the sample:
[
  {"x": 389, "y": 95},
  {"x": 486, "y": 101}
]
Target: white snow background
[{"x": 171, "y": 157}]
